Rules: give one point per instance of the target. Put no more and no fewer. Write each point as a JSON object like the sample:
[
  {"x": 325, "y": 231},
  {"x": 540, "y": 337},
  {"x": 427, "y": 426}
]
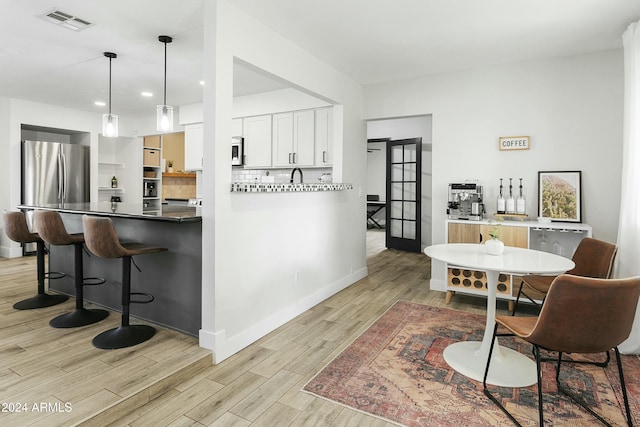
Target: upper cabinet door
[
  {"x": 257, "y": 141},
  {"x": 303, "y": 138},
  {"x": 324, "y": 137},
  {"x": 193, "y": 147},
  {"x": 283, "y": 140}
]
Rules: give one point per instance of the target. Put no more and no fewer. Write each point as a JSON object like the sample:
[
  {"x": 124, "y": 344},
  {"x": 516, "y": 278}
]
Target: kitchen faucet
[{"x": 293, "y": 173}]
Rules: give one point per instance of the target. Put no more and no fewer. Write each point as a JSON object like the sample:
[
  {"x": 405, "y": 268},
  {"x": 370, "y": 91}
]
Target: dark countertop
[{"x": 125, "y": 210}]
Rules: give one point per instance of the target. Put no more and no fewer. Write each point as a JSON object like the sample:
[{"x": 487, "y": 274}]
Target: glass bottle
[
  {"x": 511, "y": 202},
  {"x": 114, "y": 182},
  {"x": 501, "y": 202},
  {"x": 521, "y": 203}
]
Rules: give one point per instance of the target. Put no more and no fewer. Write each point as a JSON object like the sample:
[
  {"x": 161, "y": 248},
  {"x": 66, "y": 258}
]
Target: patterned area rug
[{"x": 395, "y": 371}]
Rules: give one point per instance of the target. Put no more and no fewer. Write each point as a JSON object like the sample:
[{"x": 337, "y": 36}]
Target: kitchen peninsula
[{"x": 174, "y": 278}]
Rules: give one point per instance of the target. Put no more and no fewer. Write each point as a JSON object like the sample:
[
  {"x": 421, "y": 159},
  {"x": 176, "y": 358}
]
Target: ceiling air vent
[{"x": 66, "y": 20}]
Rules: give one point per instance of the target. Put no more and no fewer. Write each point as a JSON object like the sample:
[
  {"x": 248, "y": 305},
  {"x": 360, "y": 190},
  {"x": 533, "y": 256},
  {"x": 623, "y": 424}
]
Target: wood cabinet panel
[
  {"x": 464, "y": 233},
  {"x": 510, "y": 236}
]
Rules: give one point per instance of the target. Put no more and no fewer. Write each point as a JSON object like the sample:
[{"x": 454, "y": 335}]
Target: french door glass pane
[
  {"x": 396, "y": 154},
  {"x": 396, "y": 228},
  {"x": 409, "y": 229},
  {"x": 396, "y": 172},
  {"x": 410, "y": 153},
  {"x": 396, "y": 191},
  {"x": 409, "y": 211},
  {"x": 409, "y": 192},
  {"x": 396, "y": 210},
  {"x": 409, "y": 172}
]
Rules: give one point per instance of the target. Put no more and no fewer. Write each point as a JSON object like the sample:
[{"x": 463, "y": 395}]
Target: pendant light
[
  {"x": 164, "y": 113},
  {"x": 110, "y": 121}
]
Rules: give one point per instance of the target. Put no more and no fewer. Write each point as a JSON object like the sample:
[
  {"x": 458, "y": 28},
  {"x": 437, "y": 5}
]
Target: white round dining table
[{"x": 508, "y": 368}]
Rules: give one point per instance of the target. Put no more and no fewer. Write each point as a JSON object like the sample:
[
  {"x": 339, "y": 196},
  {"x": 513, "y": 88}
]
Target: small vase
[
  {"x": 170, "y": 169},
  {"x": 494, "y": 247}
]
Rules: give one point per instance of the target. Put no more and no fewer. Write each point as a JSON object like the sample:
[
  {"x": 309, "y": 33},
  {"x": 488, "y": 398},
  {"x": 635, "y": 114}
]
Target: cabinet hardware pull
[
  {"x": 324, "y": 157},
  {"x": 290, "y": 162},
  {"x": 294, "y": 158}
]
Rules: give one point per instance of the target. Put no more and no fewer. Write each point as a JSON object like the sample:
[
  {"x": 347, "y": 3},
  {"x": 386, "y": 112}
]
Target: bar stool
[
  {"x": 102, "y": 240},
  {"x": 51, "y": 228},
  {"x": 15, "y": 225}
]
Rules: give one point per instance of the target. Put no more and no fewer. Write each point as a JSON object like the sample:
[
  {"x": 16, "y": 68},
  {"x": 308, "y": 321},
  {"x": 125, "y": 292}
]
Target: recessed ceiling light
[
  {"x": 100, "y": 103},
  {"x": 147, "y": 94},
  {"x": 202, "y": 82}
]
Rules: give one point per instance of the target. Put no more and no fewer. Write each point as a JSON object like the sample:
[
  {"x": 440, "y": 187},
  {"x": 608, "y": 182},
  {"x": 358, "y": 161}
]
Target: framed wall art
[{"x": 560, "y": 195}]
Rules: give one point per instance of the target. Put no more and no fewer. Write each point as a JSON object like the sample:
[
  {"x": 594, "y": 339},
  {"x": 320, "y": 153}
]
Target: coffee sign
[{"x": 513, "y": 143}]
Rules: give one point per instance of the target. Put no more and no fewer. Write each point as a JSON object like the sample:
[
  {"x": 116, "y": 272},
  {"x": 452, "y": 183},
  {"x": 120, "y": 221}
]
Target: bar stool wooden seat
[
  {"x": 51, "y": 228},
  {"x": 102, "y": 240},
  {"x": 16, "y": 228}
]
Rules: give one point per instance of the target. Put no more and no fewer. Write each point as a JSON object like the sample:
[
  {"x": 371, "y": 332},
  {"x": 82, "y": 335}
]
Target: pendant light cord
[
  {"x": 109, "y": 85},
  {"x": 165, "y": 40},
  {"x": 165, "y": 74},
  {"x": 110, "y": 55}
]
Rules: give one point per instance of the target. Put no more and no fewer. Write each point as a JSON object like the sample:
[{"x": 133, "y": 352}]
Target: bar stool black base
[
  {"x": 123, "y": 336},
  {"x": 40, "y": 301},
  {"x": 79, "y": 317}
]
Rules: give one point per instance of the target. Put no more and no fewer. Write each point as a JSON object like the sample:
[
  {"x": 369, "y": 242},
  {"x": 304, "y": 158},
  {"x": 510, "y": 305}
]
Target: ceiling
[{"x": 370, "y": 40}]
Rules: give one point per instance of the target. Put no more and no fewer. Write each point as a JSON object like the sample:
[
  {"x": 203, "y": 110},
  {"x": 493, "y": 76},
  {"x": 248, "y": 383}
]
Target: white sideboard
[{"x": 561, "y": 238}]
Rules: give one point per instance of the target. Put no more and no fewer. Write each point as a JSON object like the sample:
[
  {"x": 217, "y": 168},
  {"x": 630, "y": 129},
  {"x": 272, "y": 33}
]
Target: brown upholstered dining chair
[
  {"x": 579, "y": 315},
  {"x": 593, "y": 258}
]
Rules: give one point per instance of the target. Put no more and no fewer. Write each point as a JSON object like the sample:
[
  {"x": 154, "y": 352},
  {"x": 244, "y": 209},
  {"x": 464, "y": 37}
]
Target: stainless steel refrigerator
[{"x": 54, "y": 173}]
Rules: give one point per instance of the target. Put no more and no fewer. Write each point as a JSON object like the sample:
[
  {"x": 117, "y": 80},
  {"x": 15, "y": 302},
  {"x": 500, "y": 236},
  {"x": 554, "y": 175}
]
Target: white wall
[
  {"x": 270, "y": 257},
  {"x": 570, "y": 107},
  {"x": 401, "y": 128},
  {"x": 276, "y": 101},
  {"x": 6, "y": 176}
]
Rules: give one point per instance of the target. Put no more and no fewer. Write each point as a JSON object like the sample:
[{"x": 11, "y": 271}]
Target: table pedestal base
[{"x": 508, "y": 368}]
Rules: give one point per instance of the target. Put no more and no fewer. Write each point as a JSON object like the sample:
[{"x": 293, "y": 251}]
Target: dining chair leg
[
  {"x": 515, "y": 305},
  {"x": 484, "y": 380},
  {"x": 536, "y": 352},
  {"x": 623, "y": 386},
  {"x": 602, "y": 364},
  {"x": 575, "y": 399}
]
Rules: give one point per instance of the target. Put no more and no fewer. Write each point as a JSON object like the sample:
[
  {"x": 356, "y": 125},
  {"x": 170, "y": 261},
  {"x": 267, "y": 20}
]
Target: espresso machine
[
  {"x": 465, "y": 201},
  {"x": 150, "y": 189}
]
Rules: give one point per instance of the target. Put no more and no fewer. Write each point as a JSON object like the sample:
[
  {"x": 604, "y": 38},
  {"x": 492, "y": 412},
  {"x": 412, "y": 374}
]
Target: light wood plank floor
[{"x": 260, "y": 386}]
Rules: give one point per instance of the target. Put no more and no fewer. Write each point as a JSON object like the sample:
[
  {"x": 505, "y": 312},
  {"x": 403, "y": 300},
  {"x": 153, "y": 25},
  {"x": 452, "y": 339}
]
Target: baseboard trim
[{"x": 223, "y": 347}]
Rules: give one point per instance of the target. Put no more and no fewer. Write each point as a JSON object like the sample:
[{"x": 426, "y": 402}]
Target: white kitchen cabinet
[
  {"x": 304, "y": 138},
  {"x": 294, "y": 139},
  {"x": 193, "y": 147},
  {"x": 282, "y": 140},
  {"x": 236, "y": 127},
  {"x": 324, "y": 137},
  {"x": 256, "y": 131}
]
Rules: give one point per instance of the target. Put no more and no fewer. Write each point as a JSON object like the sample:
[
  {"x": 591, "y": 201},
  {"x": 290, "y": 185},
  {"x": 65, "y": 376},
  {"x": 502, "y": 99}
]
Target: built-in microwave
[{"x": 237, "y": 151}]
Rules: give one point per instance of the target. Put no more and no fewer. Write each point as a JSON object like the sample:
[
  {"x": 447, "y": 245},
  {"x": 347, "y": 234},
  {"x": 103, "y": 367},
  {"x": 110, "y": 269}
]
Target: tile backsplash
[
  {"x": 178, "y": 188},
  {"x": 280, "y": 176}
]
